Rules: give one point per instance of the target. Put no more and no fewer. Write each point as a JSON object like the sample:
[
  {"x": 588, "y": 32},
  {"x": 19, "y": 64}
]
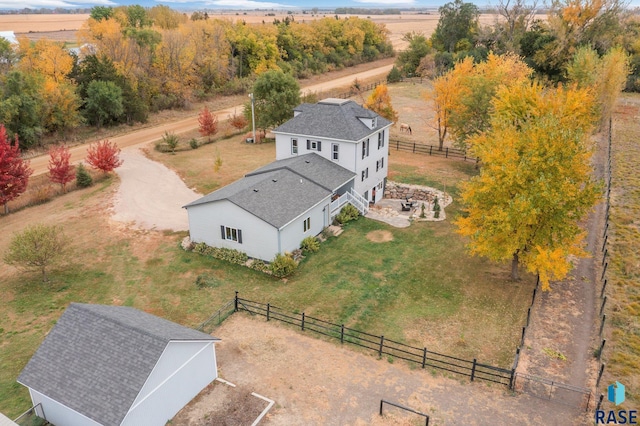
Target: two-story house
[
  {"x": 344, "y": 132},
  {"x": 331, "y": 153}
]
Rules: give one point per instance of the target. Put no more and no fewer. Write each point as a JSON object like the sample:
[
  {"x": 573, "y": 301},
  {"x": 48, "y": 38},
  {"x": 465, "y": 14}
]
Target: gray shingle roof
[
  {"x": 333, "y": 120},
  {"x": 97, "y": 358},
  {"x": 283, "y": 190}
]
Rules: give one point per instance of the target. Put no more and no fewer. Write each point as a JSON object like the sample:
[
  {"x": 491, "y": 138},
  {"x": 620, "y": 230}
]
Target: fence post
[
  {"x": 604, "y": 286},
  {"x": 604, "y": 301},
  {"x": 600, "y": 374},
  {"x": 268, "y": 311},
  {"x": 533, "y": 299},
  {"x": 397, "y": 145},
  {"x": 235, "y": 305},
  {"x": 604, "y": 317},
  {"x": 446, "y": 154},
  {"x": 600, "y": 398},
  {"x": 604, "y": 270},
  {"x": 414, "y": 148},
  {"x": 513, "y": 374},
  {"x": 381, "y": 406},
  {"x": 601, "y": 348},
  {"x": 342, "y": 333},
  {"x": 424, "y": 357},
  {"x": 381, "y": 345},
  {"x": 528, "y": 316},
  {"x": 604, "y": 256},
  {"x": 605, "y": 242},
  {"x": 430, "y": 149},
  {"x": 473, "y": 369},
  {"x": 522, "y": 339},
  {"x": 606, "y": 227}
]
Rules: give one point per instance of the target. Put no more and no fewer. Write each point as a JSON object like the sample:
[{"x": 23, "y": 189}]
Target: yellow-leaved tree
[
  {"x": 380, "y": 102},
  {"x": 535, "y": 184}
]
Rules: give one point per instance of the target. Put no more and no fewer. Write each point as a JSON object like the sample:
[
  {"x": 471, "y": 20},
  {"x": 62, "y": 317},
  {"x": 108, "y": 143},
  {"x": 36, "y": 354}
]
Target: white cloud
[
  {"x": 37, "y": 4},
  {"x": 388, "y": 2}
]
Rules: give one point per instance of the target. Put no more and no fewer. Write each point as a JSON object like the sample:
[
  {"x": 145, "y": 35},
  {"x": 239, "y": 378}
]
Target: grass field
[{"x": 623, "y": 291}]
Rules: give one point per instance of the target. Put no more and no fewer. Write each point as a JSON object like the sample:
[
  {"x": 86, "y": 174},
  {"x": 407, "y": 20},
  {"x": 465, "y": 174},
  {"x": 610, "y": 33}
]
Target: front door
[{"x": 373, "y": 195}]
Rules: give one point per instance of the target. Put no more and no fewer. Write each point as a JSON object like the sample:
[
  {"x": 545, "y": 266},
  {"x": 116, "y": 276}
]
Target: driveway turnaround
[{"x": 150, "y": 195}]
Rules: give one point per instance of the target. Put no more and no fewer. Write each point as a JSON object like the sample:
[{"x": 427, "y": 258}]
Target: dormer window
[{"x": 374, "y": 122}]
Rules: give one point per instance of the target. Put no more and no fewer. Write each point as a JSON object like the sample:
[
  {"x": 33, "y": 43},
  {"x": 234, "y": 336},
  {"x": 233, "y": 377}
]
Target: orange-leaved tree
[
  {"x": 380, "y": 102},
  {"x": 535, "y": 184},
  {"x": 14, "y": 171},
  {"x": 208, "y": 123},
  {"x": 238, "y": 122},
  {"x": 60, "y": 169},
  {"x": 104, "y": 156}
]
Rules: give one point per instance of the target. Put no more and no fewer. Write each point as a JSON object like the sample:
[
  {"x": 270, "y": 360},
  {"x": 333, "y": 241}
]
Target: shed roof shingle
[
  {"x": 283, "y": 190},
  {"x": 332, "y": 120},
  {"x": 97, "y": 358}
]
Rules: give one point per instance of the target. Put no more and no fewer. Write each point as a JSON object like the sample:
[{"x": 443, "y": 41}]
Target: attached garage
[{"x": 116, "y": 365}]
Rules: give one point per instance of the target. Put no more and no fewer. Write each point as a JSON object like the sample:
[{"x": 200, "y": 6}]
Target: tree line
[
  {"x": 135, "y": 60},
  {"x": 547, "y": 46}
]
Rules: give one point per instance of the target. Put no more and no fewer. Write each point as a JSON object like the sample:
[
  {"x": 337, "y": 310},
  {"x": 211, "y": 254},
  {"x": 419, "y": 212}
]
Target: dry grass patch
[{"x": 380, "y": 236}]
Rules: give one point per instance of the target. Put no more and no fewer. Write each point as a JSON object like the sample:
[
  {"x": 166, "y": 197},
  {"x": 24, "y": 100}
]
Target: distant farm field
[
  {"x": 39, "y": 23},
  {"x": 62, "y": 27}
]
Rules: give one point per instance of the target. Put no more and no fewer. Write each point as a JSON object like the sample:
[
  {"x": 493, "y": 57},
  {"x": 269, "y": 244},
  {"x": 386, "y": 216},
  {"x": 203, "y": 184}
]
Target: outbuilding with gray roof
[{"x": 116, "y": 365}]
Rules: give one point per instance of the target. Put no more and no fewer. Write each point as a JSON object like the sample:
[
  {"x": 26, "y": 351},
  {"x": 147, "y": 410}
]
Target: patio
[{"x": 389, "y": 210}]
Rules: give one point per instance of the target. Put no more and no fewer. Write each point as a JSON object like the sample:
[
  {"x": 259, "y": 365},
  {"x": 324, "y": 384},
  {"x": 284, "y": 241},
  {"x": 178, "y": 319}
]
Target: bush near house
[
  {"x": 310, "y": 245},
  {"x": 347, "y": 214},
  {"x": 283, "y": 266}
]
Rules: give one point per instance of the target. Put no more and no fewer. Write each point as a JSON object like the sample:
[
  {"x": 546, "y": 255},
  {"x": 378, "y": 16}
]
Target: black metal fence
[
  {"x": 418, "y": 148},
  {"x": 402, "y": 407},
  {"x": 216, "y": 319},
  {"x": 380, "y": 344}
]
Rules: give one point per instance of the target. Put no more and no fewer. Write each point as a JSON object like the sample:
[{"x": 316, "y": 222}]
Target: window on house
[
  {"x": 294, "y": 146},
  {"x": 365, "y": 174},
  {"x": 334, "y": 151},
  {"x": 381, "y": 139},
  {"x": 314, "y": 145},
  {"x": 377, "y": 165},
  {"x": 307, "y": 224},
  {"x": 374, "y": 122},
  {"x": 365, "y": 148},
  {"x": 231, "y": 234}
]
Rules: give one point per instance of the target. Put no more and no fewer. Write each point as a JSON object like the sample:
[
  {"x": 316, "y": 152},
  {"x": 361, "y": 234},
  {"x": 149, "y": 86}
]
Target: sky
[{"x": 228, "y": 4}]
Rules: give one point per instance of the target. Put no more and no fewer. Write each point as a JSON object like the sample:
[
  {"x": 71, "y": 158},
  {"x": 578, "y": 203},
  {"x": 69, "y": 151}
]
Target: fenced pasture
[{"x": 378, "y": 343}]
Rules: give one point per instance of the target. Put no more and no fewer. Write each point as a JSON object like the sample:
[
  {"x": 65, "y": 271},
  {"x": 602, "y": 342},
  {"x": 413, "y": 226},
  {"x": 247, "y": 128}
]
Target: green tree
[
  {"x": 535, "y": 184},
  {"x": 21, "y": 107},
  {"x": 83, "y": 178},
  {"x": 275, "y": 95},
  {"x": 409, "y": 59},
  {"x": 104, "y": 103},
  {"x": 101, "y": 12},
  {"x": 37, "y": 247},
  {"x": 457, "y": 26}
]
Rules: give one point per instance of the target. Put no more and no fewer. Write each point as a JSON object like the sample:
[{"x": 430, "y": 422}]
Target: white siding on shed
[
  {"x": 259, "y": 239},
  {"x": 58, "y": 414},
  {"x": 176, "y": 380}
]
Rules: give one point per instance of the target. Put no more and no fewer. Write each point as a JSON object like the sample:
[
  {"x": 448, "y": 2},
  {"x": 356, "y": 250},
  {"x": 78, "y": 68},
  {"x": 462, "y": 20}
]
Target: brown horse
[{"x": 404, "y": 127}]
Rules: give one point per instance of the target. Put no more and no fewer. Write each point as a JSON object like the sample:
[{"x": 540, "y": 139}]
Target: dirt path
[
  {"x": 315, "y": 382},
  {"x": 145, "y": 136},
  {"x": 564, "y": 319}
]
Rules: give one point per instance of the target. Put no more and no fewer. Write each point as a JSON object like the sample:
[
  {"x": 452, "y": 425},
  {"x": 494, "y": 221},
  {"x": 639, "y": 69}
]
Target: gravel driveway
[{"x": 150, "y": 195}]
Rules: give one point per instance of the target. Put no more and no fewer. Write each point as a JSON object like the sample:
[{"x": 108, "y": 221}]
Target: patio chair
[{"x": 405, "y": 207}]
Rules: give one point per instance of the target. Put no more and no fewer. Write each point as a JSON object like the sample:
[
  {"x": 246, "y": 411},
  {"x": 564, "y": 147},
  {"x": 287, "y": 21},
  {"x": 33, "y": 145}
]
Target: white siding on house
[
  {"x": 350, "y": 157},
  {"x": 59, "y": 414},
  {"x": 292, "y": 234},
  {"x": 346, "y": 157},
  {"x": 179, "y": 380},
  {"x": 259, "y": 239}
]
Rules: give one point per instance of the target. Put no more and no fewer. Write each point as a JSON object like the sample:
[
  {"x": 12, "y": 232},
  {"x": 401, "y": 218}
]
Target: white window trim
[
  {"x": 307, "y": 224},
  {"x": 294, "y": 146},
  {"x": 231, "y": 234},
  {"x": 335, "y": 151}
]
